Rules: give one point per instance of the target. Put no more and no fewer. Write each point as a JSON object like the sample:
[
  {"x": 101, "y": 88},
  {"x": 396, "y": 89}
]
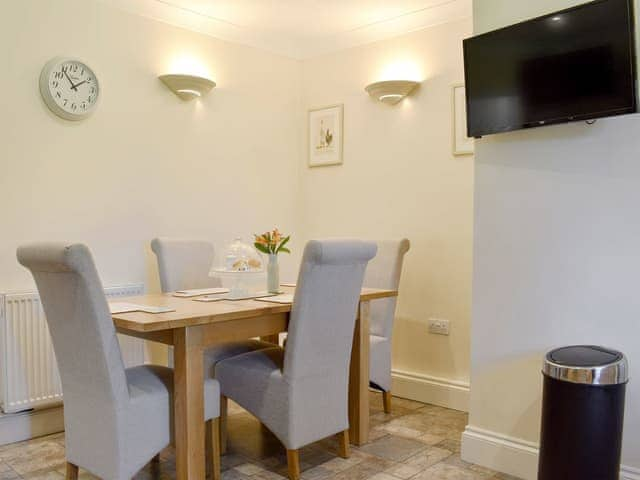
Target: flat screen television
[{"x": 576, "y": 64}]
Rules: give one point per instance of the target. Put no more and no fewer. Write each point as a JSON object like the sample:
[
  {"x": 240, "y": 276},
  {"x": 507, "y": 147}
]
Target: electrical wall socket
[{"x": 439, "y": 326}]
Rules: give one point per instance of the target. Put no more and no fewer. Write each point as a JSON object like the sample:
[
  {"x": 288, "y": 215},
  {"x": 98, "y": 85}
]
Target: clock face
[{"x": 69, "y": 88}]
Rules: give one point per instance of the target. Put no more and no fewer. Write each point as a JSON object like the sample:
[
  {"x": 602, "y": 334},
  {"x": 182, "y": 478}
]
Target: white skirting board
[
  {"x": 16, "y": 427},
  {"x": 510, "y": 455},
  {"x": 427, "y": 389}
]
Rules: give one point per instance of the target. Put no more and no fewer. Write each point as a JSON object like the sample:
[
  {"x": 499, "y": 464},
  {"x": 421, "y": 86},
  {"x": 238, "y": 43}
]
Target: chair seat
[
  {"x": 153, "y": 385},
  {"x": 380, "y": 362},
  {"x": 223, "y": 351},
  {"x": 255, "y": 381},
  {"x": 242, "y": 377}
]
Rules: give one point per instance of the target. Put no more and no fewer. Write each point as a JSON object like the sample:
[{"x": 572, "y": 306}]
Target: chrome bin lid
[{"x": 587, "y": 364}]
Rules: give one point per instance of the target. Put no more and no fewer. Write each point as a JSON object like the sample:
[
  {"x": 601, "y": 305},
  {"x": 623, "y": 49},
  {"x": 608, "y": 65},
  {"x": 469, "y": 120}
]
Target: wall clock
[{"x": 69, "y": 88}]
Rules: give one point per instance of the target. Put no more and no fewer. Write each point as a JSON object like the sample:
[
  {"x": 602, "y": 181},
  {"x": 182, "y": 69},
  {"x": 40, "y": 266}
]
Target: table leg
[
  {"x": 189, "y": 404},
  {"x": 359, "y": 379}
]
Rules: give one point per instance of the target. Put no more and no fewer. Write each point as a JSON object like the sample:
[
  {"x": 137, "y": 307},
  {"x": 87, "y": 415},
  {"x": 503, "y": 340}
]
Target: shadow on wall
[{"x": 544, "y": 146}]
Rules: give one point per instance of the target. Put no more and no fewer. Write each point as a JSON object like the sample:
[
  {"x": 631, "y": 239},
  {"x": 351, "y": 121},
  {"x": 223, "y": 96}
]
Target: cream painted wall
[
  {"x": 556, "y": 257},
  {"x": 400, "y": 178},
  {"x": 145, "y": 163},
  {"x": 148, "y": 164}
]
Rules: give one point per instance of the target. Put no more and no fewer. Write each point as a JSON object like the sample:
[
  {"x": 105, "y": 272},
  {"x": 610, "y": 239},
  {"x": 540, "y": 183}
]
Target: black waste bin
[{"x": 582, "y": 413}]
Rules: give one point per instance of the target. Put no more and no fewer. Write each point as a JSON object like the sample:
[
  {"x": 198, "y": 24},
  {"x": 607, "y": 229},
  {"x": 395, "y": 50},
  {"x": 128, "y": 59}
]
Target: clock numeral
[
  {"x": 55, "y": 84},
  {"x": 58, "y": 95},
  {"x": 93, "y": 89},
  {"x": 65, "y": 102},
  {"x": 58, "y": 75},
  {"x": 74, "y": 107}
]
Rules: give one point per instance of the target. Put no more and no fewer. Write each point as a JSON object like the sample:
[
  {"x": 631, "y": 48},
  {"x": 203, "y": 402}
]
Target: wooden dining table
[{"x": 194, "y": 326}]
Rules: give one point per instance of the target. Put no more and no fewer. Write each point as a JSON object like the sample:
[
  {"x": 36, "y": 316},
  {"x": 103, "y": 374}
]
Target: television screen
[{"x": 577, "y": 64}]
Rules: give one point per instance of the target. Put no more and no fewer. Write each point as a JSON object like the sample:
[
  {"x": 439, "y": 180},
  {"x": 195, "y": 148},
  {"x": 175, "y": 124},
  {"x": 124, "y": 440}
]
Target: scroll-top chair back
[
  {"x": 384, "y": 272},
  {"x": 325, "y": 308},
  {"x": 84, "y": 339},
  {"x": 184, "y": 264}
]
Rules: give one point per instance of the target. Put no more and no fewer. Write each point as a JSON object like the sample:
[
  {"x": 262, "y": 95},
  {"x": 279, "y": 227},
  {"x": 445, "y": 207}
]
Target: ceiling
[{"x": 300, "y": 28}]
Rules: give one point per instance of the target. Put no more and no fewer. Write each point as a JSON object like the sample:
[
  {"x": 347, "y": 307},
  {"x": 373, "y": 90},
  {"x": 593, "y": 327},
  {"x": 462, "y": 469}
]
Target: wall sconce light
[
  {"x": 391, "y": 91},
  {"x": 187, "y": 87}
]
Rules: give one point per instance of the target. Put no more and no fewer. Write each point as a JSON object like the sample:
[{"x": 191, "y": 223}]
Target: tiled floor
[{"x": 416, "y": 442}]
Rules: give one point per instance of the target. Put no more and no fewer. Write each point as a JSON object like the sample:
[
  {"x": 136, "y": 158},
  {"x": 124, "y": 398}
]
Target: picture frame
[
  {"x": 462, "y": 145},
  {"x": 325, "y": 135}
]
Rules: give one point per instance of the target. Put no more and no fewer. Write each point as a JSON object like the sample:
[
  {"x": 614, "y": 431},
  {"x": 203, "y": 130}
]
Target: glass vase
[{"x": 273, "y": 274}]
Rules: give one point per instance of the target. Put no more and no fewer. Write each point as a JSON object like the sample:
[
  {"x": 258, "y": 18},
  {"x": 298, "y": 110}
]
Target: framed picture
[
  {"x": 462, "y": 145},
  {"x": 325, "y": 136}
]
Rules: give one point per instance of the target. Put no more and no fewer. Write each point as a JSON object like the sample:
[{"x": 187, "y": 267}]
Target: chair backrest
[
  {"x": 384, "y": 272},
  {"x": 184, "y": 264},
  {"x": 83, "y": 336},
  {"x": 325, "y": 307}
]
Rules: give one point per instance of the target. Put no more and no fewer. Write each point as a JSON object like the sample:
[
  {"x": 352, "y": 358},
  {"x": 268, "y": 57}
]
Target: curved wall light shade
[
  {"x": 391, "y": 91},
  {"x": 187, "y": 87}
]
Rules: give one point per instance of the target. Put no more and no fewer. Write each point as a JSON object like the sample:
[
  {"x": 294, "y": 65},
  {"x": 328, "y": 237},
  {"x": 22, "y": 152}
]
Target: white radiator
[{"x": 28, "y": 370}]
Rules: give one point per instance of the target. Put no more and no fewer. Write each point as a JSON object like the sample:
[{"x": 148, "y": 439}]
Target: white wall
[
  {"x": 556, "y": 262},
  {"x": 399, "y": 178},
  {"x": 145, "y": 163}
]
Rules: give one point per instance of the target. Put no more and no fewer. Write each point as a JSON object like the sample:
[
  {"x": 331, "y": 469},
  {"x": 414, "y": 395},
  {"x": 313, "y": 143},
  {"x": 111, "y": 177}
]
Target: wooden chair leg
[
  {"x": 213, "y": 452},
  {"x": 223, "y": 424},
  {"x": 72, "y": 471},
  {"x": 293, "y": 462},
  {"x": 386, "y": 400},
  {"x": 344, "y": 449}
]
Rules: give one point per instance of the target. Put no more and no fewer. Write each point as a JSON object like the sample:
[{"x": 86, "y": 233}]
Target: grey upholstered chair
[
  {"x": 301, "y": 393},
  {"x": 184, "y": 264},
  {"x": 384, "y": 272},
  {"x": 116, "y": 419}
]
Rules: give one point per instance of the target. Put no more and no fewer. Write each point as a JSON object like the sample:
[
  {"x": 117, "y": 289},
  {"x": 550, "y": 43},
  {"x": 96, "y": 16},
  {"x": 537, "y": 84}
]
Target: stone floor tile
[
  {"x": 382, "y": 476},
  {"x": 394, "y": 448},
  {"x": 46, "y": 475},
  {"x": 504, "y": 476},
  {"x": 414, "y": 442},
  {"x": 430, "y": 439},
  {"x": 232, "y": 474},
  {"x": 403, "y": 471},
  {"x": 451, "y": 445},
  {"x": 428, "y": 457},
  {"x": 363, "y": 470},
  {"x": 319, "y": 472},
  {"x": 401, "y": 431},
  {"x": 444, "y": 471},
  {"x": 458, "y": 462},
  {"x": 9, "y": 474},
  {"x": 248, "y": 468}
]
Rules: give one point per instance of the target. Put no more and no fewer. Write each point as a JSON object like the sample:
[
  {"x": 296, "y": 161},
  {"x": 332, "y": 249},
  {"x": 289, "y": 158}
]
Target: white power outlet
[{"x": 439, "y": 326}]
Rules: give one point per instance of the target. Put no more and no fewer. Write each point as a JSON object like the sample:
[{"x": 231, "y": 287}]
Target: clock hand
[
  {"x": 73, "y": 87},
  {"x": 78, "y": 84}
]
